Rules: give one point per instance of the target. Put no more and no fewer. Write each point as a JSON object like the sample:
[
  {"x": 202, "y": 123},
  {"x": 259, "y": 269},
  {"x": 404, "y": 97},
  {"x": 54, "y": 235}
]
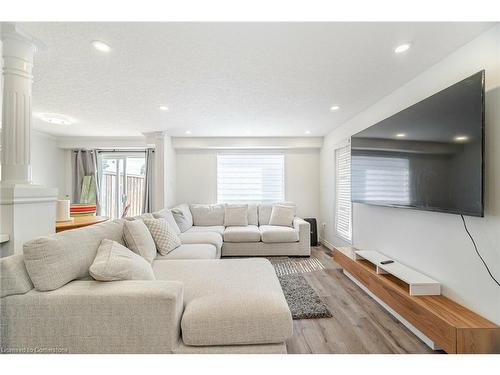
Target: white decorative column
[{"x": 27, "y": 209}]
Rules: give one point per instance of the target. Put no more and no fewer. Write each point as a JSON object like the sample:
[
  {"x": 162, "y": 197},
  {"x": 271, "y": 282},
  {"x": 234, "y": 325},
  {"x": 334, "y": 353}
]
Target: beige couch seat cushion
[
  {"x": 114, "y": 262},
  {"x": 230, "y": 301},
  {"x": 191, "y": 251},
  {"x": 211, "y": 238},
  {"x": 213, "y": 228},
  {"x": 274, "y": 234},
  {"x": 249, "y": 233}
]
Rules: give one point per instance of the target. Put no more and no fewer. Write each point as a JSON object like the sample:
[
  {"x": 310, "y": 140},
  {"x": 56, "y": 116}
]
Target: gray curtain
[
  {"x": 84, "y": 163},
  {"x": 147, "y": 204}
]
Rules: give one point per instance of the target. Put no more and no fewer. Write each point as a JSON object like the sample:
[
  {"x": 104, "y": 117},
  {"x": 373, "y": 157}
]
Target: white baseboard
[
  {"x": 407, "y": 324},
  {"x": 326, "y": 244}
]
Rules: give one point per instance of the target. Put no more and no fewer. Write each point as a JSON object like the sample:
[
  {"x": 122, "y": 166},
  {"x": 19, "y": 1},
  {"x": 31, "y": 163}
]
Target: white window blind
[
  {"x": 343, "y": 225},
  {"x": 381, "y": 179},
  {"x": 250, "y": 178}
]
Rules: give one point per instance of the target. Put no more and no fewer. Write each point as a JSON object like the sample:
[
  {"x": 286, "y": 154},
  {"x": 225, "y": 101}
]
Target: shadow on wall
[{"x": 492, "y": 153}]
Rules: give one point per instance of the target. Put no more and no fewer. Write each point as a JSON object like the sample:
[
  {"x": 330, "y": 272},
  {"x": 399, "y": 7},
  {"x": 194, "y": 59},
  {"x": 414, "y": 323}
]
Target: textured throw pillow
[
  {"x": 282, "y": 216},
  {"x": 236, "y": 215},
  {"x": 139, "y": 240},
  {"x": 164, "y": 237},
  {"x": 115, "y": 262},
  {"x": 147, "y": 215}
]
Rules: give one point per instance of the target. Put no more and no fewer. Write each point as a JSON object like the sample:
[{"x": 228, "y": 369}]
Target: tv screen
[{"x": 428, "y": 156}]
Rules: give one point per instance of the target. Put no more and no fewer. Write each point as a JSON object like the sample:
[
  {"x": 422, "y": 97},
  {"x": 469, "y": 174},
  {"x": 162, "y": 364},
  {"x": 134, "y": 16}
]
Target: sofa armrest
[
  {"x": 304, "y": 229},
  {"x": 95, "y": 317}
]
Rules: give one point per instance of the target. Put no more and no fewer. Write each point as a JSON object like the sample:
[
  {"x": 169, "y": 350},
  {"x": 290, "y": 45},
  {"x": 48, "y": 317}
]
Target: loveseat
[
  {"x": 206, "y": 223},
  {"x": 50, "y": 304}
]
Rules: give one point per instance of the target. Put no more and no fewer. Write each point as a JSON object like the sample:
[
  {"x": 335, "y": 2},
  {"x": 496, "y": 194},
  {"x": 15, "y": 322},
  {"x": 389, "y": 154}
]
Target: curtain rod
[{"x": 115, "y": 150}]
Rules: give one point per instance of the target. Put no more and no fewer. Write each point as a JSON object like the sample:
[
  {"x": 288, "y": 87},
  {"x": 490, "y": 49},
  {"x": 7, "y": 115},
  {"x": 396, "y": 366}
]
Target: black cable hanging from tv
[{"x": 477, "y": 251}]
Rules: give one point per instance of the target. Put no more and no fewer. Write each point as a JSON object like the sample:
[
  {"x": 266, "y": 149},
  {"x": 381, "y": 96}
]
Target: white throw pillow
[
  {"x": 169, "y": 217},
  {"x": 115, "y": 262},
  {"x": 236, "y": 215},
  {"x": 207, "y": 214},
  {"x": 282, "y": 216},
  {"x": 182, "y": 216},
  {"x": 138, "y": 239},
  {"x": 164, "y": 236}
]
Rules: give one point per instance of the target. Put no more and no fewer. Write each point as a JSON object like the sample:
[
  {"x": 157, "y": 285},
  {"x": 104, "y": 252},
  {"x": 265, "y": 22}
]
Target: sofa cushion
[
  {"x": 215, "y": 228},
  {"x": 14, "y": 278},
  {"x": 248, "y": 233},
  {"x": 229, "y": 301},
  {"x": 236, "y": 215},
  {"x": 191, "y": 251},
  {"x": 138, "y": 239},
  {"x": 253, "y": 215},
  {"x": 207, "y": 214},
  {"x": 211, "y": 238},
  {"x": 275, "y": 234},
  {"x": 265, "y": 210},
  {"x": 56, "y": 260},
  {"x": 182, "y": 216},
  {"x": 115, "y": 262},
  {"x": 147, "y": 215},
  {"x": 164, "y": 237},
  {"x": 169, "y": 217},
  {"x": 282, "y": 215}
]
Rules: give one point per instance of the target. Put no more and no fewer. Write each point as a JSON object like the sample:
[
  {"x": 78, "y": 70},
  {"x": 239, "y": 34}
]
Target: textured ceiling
[{"x": 227, "y": 79}]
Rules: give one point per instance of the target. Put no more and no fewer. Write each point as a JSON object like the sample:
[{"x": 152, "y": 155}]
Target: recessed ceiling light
[
  {"x": 101, "y": 46},
  {"x": 401, "y": 135},
  {"x": 334, "y": 108},
  {"x": 188, "y": 132},
  {"x": 461, "y": 138},
  {"x": 307, "y": 132},
  {"x": 163, "y": 108},
  {"x": 402, "y": 48},
  {"x": 56, "y": 118}
]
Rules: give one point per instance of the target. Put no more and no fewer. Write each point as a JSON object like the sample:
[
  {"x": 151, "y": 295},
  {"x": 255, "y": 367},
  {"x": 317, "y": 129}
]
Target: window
[
  {"x": 343, "y": 205},
  {"x": 122, "y": 183},
  {"x": 250, "y": 178}
]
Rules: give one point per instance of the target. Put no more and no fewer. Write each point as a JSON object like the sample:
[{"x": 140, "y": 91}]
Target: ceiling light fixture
[
  {"x": 56, "y": 118},
  {"x": 401, "y": 135},
  {"x": 163, "y": 108},
  {"x": 101, "y": 46},
  {"x": 188, "y": 132},
  {"x": 461, "y": 138},
  {"x": 402, "y": 48},
  {"x": 307, "y": 132},
  {"x": 334, "y": 108}
]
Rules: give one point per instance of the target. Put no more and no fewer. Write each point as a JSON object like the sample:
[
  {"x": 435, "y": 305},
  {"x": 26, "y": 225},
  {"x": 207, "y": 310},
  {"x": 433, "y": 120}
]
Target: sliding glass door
[{"x": 122, "y": 177}]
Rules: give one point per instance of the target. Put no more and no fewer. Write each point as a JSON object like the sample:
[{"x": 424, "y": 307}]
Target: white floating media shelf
[{"x": 420, "y": 284}]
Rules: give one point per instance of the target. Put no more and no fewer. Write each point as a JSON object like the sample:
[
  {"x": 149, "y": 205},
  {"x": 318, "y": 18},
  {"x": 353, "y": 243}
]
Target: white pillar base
[{"x": 26, "y": 212}]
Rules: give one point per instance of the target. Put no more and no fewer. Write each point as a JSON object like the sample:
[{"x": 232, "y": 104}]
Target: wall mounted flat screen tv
[{"x": 429, "y": 156}]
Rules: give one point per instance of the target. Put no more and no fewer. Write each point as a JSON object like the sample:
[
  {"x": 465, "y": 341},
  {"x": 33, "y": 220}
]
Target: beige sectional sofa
[
  {"x": 50, "y": 304},
  {"x": 205, "y": 224}
]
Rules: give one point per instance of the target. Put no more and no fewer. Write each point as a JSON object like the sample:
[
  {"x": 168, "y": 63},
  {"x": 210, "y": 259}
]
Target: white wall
[
  {"x": 434, "y": 243},
  {"x": 48, "y": 162},
  {"x": 197, "y": 177}
]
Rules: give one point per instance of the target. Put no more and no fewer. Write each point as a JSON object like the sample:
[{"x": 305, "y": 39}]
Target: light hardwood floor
[{"x": 359, "y": 324}]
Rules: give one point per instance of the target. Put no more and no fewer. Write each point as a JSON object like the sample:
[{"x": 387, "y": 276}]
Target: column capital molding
[{"x": 12, "y": 31}]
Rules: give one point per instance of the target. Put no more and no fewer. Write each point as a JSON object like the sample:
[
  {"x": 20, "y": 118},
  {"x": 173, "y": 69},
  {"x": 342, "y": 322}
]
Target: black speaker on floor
[{"x": 314, "y": 231}]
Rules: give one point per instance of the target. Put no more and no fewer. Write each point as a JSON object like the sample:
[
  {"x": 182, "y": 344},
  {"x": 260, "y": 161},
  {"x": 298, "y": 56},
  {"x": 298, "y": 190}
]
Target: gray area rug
[{"x": 303, "y": 301}]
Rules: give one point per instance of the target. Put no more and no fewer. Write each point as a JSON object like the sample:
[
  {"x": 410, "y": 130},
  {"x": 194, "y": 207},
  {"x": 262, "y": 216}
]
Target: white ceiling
[{"x": 227, "y": 79}]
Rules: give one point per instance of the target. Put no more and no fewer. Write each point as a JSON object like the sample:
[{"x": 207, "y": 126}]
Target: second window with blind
[
  {"x": 343, "y": 205},
  {"x": 250, "y": 177}
]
